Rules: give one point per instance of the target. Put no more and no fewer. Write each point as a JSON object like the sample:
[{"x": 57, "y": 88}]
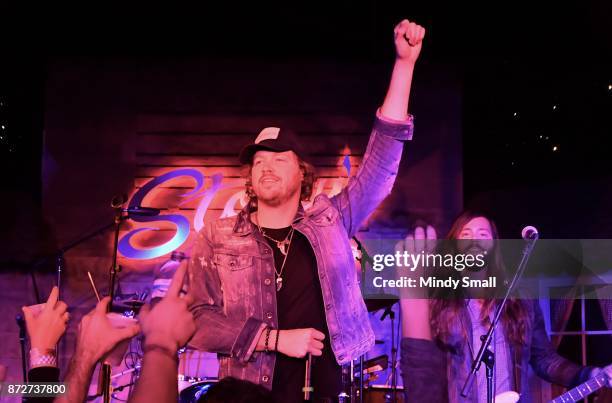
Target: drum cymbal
[{"x": 127, "y": 305}]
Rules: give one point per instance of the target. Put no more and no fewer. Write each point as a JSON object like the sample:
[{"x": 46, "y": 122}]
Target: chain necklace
[{"x": 283, "y": 246}]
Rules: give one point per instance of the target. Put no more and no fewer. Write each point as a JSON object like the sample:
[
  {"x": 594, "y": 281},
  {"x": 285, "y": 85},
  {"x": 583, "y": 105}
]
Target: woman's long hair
[{"x": 445, "y": 312}]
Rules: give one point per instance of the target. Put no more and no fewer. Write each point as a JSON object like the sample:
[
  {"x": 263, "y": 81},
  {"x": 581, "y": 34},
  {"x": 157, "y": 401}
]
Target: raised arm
[
  {"x": 422, "y": 363},
  {"x": 95, "y": 338},
  {"x": 392, "y": 127},
  {"x": 408, "y": 38},
  {"x": 45, "y": 328},
  {"x": 166, "y": 328},
  {"x": 414, "y": 303}
]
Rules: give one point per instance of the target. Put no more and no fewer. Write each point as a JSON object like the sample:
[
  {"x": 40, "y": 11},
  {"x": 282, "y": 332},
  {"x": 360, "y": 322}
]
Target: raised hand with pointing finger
[
  {"x": 167, "y": 326},
  {"x": 46, "y": 326},
  {"x": 170, "y": 323}
]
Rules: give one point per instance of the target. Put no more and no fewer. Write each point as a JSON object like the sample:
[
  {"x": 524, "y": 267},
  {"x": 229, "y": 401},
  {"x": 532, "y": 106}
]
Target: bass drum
[
  {"x": 192, "y": 394},
  {"x": 382, "y": 394}
]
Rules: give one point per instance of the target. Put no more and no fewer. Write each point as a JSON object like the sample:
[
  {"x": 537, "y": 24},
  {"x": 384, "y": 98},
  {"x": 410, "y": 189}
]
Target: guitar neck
[{"x": 581, "y": 391}]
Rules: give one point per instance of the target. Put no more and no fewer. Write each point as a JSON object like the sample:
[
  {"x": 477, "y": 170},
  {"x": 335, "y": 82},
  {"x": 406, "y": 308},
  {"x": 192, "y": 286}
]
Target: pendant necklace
[{"x": 283, "y": 246}]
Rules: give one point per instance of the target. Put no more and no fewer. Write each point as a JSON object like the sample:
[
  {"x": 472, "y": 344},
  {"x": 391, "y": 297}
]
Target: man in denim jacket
[{"x": 234, "y": 276}]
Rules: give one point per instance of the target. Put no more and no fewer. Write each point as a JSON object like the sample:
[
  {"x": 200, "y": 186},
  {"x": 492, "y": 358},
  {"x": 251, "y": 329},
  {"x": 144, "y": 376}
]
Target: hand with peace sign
[{"x": 169, "y": 324}]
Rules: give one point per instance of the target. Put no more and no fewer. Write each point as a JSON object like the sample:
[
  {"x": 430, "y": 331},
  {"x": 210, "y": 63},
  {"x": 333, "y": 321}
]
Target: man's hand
[
  {"x": 414, "y": 305},
  {"x": 421, "y": 240},
  {"x": 169, "y": 324},
  {"x": 299, "y": 342},
  {"x": 97, "y": 336},
  {"x": 46, "y": 327},
  {"x": 408, "y": 38}
]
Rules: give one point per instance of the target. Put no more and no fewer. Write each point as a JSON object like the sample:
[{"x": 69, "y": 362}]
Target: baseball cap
[{"x": 273, "y": 139}]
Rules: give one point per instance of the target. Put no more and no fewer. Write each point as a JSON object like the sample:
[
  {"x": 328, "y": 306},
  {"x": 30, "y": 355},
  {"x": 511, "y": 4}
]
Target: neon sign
[{"x": 180, "y": 222}]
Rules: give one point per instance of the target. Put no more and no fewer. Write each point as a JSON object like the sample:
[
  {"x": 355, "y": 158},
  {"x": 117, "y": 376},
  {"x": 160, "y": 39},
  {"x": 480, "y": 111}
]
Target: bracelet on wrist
[
  {"x": 276, "y": 341},
  {"x": 266, "y": 348},
  {"x": 42, "y": 358}
]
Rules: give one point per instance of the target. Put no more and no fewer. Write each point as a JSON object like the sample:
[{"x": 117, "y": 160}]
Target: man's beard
[
  {"x": 277, "y": 199},
  {"x": 474, "y": 247}
]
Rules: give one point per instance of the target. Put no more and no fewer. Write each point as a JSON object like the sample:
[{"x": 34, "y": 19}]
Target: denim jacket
[
  {"x": 231, "y": 270},
  {"x": 424, "y": 363}
]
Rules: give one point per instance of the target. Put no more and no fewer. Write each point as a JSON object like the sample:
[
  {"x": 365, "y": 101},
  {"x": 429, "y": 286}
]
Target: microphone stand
[
  {"x": 105, "y": 372},
  {"x": 22, "y": 342},
  {"x": 117, "y": 203},
  {"x": 485, "y": 355},
  {"x": 389, "y": 312},
  {"x": 59, "y": 257},
  {"x": 365, "y": 258}
]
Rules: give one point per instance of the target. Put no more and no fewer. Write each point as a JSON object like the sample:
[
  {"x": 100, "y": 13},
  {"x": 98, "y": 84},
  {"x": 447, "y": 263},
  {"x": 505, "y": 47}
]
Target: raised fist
[{"x": 408, "y": 38}]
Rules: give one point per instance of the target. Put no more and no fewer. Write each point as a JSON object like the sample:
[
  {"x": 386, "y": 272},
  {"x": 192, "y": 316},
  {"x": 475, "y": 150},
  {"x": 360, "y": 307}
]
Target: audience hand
[
  {"x": 97, "y": 336},
  {"x": 46, "y": 327},
  {"x": 169, "y": 324}
]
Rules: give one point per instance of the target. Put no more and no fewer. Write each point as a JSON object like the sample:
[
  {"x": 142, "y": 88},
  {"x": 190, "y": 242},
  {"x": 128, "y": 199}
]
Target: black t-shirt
[{"x": 300, "y": 305}]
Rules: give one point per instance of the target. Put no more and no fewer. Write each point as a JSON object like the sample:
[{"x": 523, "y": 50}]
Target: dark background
[{"x": 534, "y": 76}]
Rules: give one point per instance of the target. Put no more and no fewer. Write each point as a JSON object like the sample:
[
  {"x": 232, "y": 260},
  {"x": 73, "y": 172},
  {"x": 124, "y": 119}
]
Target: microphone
[
  {"x": 22, "y": 326},
  {"x": 118, "y": 200},
  {"x": 142, "y": 211},
  {"x": 364, "y": 253},
  {"x": 530, "y": 233}
]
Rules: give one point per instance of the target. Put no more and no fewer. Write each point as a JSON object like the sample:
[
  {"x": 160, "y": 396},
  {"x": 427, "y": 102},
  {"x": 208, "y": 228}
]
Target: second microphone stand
[
  {"x": 105, "y": 372},
  {"x": 485, "y": 355}
]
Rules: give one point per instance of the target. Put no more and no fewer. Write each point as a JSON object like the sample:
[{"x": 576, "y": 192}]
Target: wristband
[{"x": 42, "y": 358}]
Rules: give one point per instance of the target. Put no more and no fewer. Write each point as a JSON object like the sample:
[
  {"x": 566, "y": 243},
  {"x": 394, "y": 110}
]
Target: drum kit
[
  {"x": 195, "y": 390},
  {"x": 360, "y": 377}
]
